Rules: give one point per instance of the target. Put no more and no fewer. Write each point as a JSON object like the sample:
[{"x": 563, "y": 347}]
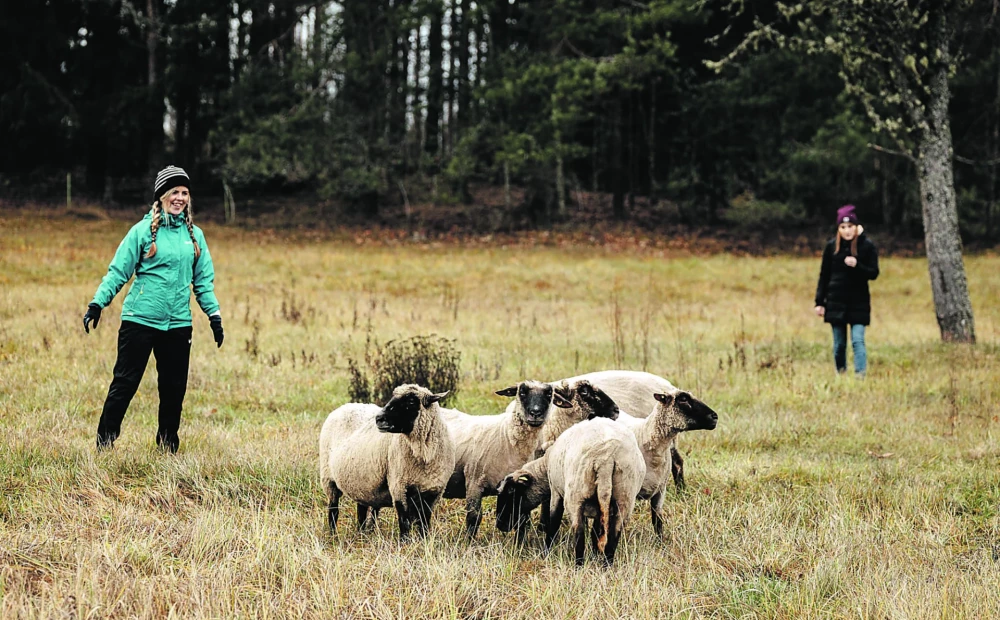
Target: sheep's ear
[
  {"x": 565, "y": 391},
  {"x": 511, "y": 482},
  {"x": 666, "y": 399},
  {"x": 561, "y": 401},
  {"x": 430, "y": 399},
  {"x": 510, "y": 391}
]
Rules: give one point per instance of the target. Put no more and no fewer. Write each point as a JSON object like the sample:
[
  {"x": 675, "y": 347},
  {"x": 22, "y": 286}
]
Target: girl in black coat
[{"x": 850, "y": 260}]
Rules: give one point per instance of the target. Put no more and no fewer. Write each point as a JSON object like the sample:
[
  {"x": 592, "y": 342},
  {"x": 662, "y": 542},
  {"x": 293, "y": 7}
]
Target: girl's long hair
[
  {"x": 854, "y": 243},
  {"x": 154, "y": 226}
]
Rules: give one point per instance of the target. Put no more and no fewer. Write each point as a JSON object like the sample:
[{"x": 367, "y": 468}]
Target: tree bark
[
  {"x": 937, "y": 196},
  {"x": 651, "y": 141},
  {"x": 435, "y": 78},
  {"x": 617, "y": 166},
  {"x": 992, "y": 176},
  {"x": 463, "y": 87},
  {"x": 416, "y": 103},
  {"x": 560, "y": 188},
  {"x": 155, "y": 91}
]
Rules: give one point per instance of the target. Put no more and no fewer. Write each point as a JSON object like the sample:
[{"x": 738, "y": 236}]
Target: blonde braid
[
  {"x": 153, "y": 227},
  {"x": 189, "y": 220}
]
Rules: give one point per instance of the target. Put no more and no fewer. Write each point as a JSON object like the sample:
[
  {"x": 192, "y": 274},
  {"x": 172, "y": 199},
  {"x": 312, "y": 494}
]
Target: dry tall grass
[{"x": 817, "y": 496}]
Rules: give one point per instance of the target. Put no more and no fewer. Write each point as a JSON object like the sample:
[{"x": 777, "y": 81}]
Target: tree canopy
[{"x": 355, "y": 100}]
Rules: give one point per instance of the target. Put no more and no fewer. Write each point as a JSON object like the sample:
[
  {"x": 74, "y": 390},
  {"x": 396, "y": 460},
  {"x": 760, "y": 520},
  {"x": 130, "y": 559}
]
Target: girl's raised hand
[{"x": 850, "y": 261}]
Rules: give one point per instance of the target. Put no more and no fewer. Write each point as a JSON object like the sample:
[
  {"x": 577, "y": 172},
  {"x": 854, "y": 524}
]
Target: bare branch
[
  {"x": 973, "y": 162},
  {"x": 881, "y": 149}
]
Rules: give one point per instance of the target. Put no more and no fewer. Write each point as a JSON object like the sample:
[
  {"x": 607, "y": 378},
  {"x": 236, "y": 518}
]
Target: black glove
[
  {"x": 216, "y": 322},
  {"x": 93, "y": 316}
]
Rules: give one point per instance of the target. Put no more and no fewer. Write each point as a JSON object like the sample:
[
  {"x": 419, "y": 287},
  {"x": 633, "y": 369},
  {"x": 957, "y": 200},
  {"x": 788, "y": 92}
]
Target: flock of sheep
[{"x": 587, "y": 446}]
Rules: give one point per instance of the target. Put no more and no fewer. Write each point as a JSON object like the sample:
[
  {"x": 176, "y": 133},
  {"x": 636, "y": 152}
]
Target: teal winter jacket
[{"x": 160, "y": 297}]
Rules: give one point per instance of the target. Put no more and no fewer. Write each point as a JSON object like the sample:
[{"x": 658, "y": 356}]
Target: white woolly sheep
[
  {"x": 588, "y": 402},
  {"x": 489, "y": 447},
  {"x": 400, "y": 455},
  {"x": 633, "y": 391},
  {"x": 595, "y": 469},
  {"x": 656, "y": 434}
]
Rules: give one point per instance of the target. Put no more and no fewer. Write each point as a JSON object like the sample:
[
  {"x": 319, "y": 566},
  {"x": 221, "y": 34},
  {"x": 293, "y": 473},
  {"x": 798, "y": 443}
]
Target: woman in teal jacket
[{"x": 169, "y": 257}]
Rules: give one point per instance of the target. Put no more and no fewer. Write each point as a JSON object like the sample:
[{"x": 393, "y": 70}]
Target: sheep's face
[
  {"x": 513, "y": 506},
  {"x": 590, "y": 401},
  {"x": 401, "y": 412},
  {"x": 535, "y": 399},
  {"x": 686, "y": 413}
]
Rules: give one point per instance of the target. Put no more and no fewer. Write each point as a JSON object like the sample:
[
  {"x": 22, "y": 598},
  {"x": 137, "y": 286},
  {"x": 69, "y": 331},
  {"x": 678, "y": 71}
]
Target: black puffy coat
[{"x": 843, "y": 290}]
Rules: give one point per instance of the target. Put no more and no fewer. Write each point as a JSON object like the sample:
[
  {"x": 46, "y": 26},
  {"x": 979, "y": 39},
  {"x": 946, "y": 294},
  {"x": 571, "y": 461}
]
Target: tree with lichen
[{"x": 896, "y": 58}]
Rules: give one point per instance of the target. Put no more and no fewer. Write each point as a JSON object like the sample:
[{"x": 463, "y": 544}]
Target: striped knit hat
[{"x": 169, "y": 178}]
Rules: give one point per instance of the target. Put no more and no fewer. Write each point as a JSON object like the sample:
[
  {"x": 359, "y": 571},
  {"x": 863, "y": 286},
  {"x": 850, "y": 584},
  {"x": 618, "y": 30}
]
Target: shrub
[
  {"x": 431, "y": 361},
  {"x": 749, "y": 213}
]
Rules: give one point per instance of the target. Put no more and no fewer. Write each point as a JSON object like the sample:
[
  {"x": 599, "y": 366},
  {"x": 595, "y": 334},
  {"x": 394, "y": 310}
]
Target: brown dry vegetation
[{"x": 817, "y": 496}]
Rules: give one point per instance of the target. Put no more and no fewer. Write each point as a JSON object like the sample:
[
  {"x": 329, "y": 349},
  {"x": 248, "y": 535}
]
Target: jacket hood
[{"x": 167, "y": 219}]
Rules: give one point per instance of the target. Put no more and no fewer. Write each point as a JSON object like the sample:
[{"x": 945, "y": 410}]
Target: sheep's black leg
[
  {"x": 524, "y": 518},
  {"x": 677, "y": 468},
  {"x": 473, "y": 513},
  {"x": 555, "y": 520},
  {"x": 543, "y": 517},
  {"x": 403, "y": 516},
  {"x": 364, "y": 523},
  {"x": 614, "y": 534},
  {"x": 656, "y": 512},
  {"x": 333, "y": 506},
  {"x": 595, "y": 534},
  {"x": 580, "y": 535},
  {"x": 522, "y": 527},
  {"x": 421, "y": 504}
]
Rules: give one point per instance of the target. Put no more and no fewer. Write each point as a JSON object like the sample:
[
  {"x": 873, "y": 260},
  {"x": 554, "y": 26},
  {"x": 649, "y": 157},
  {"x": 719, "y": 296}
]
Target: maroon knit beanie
[{"x": 846, "y": 214}]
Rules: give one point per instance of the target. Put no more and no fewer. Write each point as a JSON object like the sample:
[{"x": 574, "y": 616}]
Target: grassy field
[{"x": 817, "y": 496}]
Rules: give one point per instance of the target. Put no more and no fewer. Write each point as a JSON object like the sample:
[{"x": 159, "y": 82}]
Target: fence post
[{"x": 69, "y": 190}]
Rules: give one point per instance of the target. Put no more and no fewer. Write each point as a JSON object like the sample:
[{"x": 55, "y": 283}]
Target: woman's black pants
[{"x": 172, "y": 350}]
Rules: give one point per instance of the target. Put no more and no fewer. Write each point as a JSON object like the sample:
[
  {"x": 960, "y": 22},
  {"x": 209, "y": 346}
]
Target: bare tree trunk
[
  {"x": 480, "y": 63},
  {"x": 937, "y": 196},
  {"x": 435, "y": 78},
  {"x": 453, "y": 78},
  {"x": 617, "y": 167},
  {"x": 992, "y": 176},
  {"x": 651, "y": 140},
  {"x": 560, "y": 187},
  {"x": 416, "y": 105},
  {"x": 507, "y": 202},
  {"x": 316, "y": 43},
  {"x": 463, "y": 87},
  {"x": 155, "y": 103}
]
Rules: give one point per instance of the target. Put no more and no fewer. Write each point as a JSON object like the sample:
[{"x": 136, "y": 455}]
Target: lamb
[
  {"x": 633, "y": 391},
  {"x": 489, "y": 447},
  {"x": 656, "y": 434},
  {"x": 594, "y": 469},
  {"x": 400, "y": 455}
]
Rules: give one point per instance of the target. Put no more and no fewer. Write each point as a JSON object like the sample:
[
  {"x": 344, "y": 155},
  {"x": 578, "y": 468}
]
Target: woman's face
[
  {"x": 848, "y": 231},
  {"x": 177, "y": 200}
]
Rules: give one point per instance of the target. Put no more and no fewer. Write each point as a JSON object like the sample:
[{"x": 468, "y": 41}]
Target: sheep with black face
[
  {"x": 400, "y": 455},
  {"x": 633, "y": 390},
  {"x": 490, "y": 447},
  {"x": 673, "y": 414},
  {"x": 593, "y": 470},
  {"x": 588, "y": 400}
]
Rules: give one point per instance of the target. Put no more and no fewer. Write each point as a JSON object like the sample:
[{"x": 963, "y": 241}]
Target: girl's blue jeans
[{"x": 857, "y": 342}]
